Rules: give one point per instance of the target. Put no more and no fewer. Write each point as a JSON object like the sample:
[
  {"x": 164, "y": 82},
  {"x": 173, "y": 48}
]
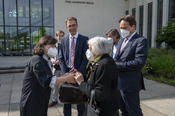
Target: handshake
[{"x": 72, "y": 77}]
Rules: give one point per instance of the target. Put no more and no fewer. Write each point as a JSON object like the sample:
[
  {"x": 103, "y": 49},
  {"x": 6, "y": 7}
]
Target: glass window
[
  {"x": 36, "y": 34},
  {"x": 172, "y": 9},
  {"x": 1, "y": 40},
  {"x": 126, "y": 12},
  {"x": 24, "y": 39},
  {"x": 36, "y": 14},
  {"x": 141, "y": 20},
  {"x": 11, "y": 40},
  {"x": 48, "y": 12},
  {"x": 134, "y": 12},
  {"x": 159, "y": 14},
  {"x": 23, "y": 12},
  {"x": 48, "y": 31},
  {"x": 35, "y": 19},
  {"x": 10, "y": 12},
  {"x": 1, "y": 13},
  {"x": 149, "y": 28}
]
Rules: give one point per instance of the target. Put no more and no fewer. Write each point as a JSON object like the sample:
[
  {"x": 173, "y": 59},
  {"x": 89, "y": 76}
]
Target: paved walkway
[
  {"x": 10, "y": 92},
  {"x": 157, "y": 100}
]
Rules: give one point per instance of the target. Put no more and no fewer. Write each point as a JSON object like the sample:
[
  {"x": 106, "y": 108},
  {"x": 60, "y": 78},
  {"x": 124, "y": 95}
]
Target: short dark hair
[
  {"x": 45, "y": 40},
  {"x": 113, "y": 32},
  {"x": 130, "y": 19},
  {"x": 71, "y": 18}
]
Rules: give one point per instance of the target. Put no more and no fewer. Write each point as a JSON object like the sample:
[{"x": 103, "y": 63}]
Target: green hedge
[{"x": 160, "y": 63}]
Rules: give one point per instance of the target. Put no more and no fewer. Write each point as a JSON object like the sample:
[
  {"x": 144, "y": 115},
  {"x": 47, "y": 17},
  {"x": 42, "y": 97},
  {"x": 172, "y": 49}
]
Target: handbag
[
  {"x": 92, "y": 109},
  {"x": 71, "y": 94}
]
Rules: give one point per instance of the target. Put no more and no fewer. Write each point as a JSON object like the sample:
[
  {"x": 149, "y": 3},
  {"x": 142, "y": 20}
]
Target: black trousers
[
  {"x": 67, "y": 109},
  {"x": 130, "y": 104}
]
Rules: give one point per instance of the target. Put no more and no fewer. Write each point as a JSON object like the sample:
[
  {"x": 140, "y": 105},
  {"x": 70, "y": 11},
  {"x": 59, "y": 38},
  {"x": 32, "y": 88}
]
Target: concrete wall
[
  {"x": 96, "y": 19},
  {"x": 93, "y": 19}
]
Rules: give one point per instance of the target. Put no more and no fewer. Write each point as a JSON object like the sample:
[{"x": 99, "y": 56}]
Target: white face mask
[
  {"x": 89, "y": 55},
  {"x": 52, "y": 52},
  {"x": 124, "y": 33},
  {"x": 110, "y": 40}
]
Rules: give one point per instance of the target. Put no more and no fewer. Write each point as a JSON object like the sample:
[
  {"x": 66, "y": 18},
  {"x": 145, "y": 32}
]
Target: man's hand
[{"x": 73, "y": 70}]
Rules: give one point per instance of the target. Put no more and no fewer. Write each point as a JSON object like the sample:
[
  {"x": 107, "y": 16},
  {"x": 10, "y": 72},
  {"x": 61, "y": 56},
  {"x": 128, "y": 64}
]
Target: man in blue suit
[
  {"x": 72, "y": 56},
  {"x": 130, "y": 58}
]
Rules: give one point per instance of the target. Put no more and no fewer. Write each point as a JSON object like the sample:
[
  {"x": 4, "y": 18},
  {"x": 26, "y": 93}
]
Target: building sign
[{"x": 79, "y": 2}]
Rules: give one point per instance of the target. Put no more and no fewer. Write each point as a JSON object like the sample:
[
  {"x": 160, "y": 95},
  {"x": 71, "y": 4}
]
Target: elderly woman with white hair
[{"x": 101, "y": 76}]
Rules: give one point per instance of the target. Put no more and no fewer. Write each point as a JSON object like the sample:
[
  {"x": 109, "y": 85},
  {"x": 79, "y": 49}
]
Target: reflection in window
[
  {"x": 24, "y": 39},
  {"x": 11, "y": 40},
  {"x": 36, "y": 14},
  {"x": 1, "y": 40},
  {"x": 10, "y": 12},
  {"x": 36, "y": 34},
  {"x": 23, "y": 12},
  {"x": 35, "y": 19},
  {"x": 1, "y": 13},
  {"x": 48, "y": 12},
  {"x": 49, "y": 31}
]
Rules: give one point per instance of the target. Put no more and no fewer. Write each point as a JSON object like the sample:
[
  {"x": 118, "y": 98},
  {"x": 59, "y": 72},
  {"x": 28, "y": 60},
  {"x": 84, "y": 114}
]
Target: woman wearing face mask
[
  {"x": 101, "y": 76},
  {"x": 38, "y": 79}
]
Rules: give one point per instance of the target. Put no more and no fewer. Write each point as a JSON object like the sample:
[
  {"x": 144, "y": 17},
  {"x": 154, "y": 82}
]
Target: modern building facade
[
  {"x": 151, "y": 15},
  {"x": 23, "y": 22}
]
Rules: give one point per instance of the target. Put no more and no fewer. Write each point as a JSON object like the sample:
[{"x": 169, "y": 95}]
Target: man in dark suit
[
  {"x": 72, "y": 56},
  {"x": 130, "y": 58}
]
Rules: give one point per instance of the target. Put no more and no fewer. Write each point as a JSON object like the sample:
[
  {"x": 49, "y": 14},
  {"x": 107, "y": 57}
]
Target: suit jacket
[
  {"x": 130, "y": 62},
  {"x": 103, "y": 80},
  {"x": 36, "y": 91},
  {"x": 80, "y": 60},
  {"x": 57, "y": 67}
]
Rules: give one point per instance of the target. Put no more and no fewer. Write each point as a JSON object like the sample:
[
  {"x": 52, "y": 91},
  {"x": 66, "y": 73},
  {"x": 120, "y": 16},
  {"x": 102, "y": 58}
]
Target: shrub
[
  {"x": 160, "y": 63},
  {"x": 167, "y": 35}
]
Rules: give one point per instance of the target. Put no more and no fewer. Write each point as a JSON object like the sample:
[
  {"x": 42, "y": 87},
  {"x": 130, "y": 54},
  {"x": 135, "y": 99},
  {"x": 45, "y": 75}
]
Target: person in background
[
  {"x": 38, "y": 79},
  {"x": 56, "y": 69},
  {"x": 114, "y": 34},
  {"x": 102, "y": 77},
  {"x": 72, "y": 56},
  {"x": 130, "y": 58}
]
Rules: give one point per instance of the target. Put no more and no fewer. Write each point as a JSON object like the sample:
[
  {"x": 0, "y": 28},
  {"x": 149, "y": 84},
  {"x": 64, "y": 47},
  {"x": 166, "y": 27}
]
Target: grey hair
[{"x": 100, "y": 45}]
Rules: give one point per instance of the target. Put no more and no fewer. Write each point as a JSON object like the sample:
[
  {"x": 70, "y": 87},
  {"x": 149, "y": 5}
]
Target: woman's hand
[
  {"x": 78, "y": 78},
  {"x": 56, "y": 62},
  {"x": 70, "y": 77}
]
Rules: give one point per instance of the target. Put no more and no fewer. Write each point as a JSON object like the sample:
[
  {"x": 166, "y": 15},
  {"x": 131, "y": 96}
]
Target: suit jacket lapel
[
  {"x": 129, "y": 43},
  {"x": 119, "y": 47},
  {"x": 67, "y": 48},
  {"x": 77, "y": 46}
]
